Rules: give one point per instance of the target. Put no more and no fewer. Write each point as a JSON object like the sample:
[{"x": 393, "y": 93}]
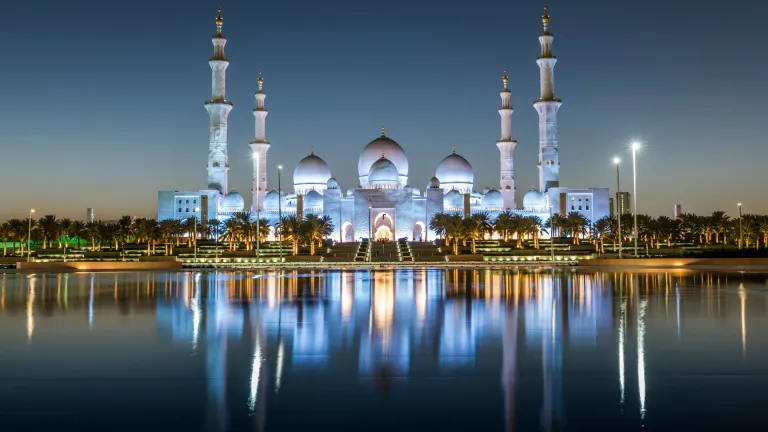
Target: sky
[{"x": 104, "y": 100}]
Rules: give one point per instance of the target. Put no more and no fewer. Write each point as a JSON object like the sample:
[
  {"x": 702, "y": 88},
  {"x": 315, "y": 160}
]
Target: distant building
[
  {"x": 622, "y": 203},
  {"x": 613, "y": 209},
  {"x": 678, "y": 211},
  {"x": 90, "y": 215}
]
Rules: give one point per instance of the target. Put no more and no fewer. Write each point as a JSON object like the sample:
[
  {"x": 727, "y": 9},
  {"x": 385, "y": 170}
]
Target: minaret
[
  {"x": 218, "y": 111},
  {"x": 259, "y": 147},
  {"x": 506, "y": 147},
  {"x": 547, "y": 106}
]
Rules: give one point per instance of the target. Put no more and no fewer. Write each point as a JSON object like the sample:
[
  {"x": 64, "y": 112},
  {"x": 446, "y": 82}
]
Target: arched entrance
[
  {"x": 418, "y": 231},
  {"x": 348, "y": 232},
  {"x": 383, "y": 233}
]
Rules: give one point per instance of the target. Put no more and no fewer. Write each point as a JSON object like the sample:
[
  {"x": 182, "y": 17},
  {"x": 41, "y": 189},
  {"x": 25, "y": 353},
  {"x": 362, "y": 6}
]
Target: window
[
  {"x": 579, "y": 207},
  {"x": 179, "y": 207},
  {"x": 587, "y": 207},
  {"x": 195, "y": 201},
  {"x": 187, "y": 201},
  {"x": 187, "y": 209},
  {"x": 179, "y": 201},
  {"x": 572, "y": 208}
]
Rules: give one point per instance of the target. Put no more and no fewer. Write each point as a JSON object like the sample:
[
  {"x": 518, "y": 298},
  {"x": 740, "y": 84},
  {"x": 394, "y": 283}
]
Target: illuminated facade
[{"x": 384, "y": 205}]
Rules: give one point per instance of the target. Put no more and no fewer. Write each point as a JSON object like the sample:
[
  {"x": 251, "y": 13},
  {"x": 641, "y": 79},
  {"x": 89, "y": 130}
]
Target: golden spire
[
  {"x": 312, "y": 149},
  {"x": 454, "y": 150},
  {"x": 545, "y": 18},
  {"x": 219, "y": 21},
  {"x": 383, "y": 134},
  {"x": 505, "y": 79},
  {"x": 260, "y": 81},
  {"x": 382, "y": 155}
]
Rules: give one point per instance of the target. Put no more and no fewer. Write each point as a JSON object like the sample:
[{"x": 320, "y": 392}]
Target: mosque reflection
[{"x": 296, "y": 323}]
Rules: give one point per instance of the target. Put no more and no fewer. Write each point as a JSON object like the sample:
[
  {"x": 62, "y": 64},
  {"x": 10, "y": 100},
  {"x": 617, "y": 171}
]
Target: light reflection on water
[{"x": 381, "y": 349}]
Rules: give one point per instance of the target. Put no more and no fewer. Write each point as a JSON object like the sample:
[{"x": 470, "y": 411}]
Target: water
[{"x": 416, "y": 349}]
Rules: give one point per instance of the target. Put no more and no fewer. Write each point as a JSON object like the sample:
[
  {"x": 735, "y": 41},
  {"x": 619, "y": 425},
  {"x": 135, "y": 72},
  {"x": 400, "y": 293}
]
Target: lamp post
[
  {"x": 29, "y": 236},
  {"x": 617, "y": 161},
  {"x": 256, "y": 204},
  {"x": 635, "y": 148},
  {"x": 740, "y": 231},
  {"x": 280, "y": 211},
  {"x": 370, "y": 234},
  {"x": 196, "y": 209}
]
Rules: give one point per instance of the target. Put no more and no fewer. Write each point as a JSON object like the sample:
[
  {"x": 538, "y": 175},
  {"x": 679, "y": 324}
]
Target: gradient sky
[{"x": 104, "y": 100}]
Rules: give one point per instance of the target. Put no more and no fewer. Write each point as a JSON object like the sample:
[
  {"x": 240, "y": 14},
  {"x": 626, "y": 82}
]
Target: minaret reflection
[
  {"x": 622, "y": 336},
  {"x": 90, "y": 302},
  {"x": 509, "y": 368},
  {"x": 549, "y": 312}
]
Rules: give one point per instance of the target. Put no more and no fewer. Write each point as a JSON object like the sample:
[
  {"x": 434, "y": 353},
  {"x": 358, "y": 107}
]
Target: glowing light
[
  {"x": 622, "y": 326},
  {"x": 636, "y": 146},
  {"x": 279, "y": 369},
  {"x": 31, "y": 310},
  {"x": 196, "y": 317},
  {"x": 616, "y": 160},
  {"x": 90, "y": 303},
  {"x": 743, "y": 297},
  {"x": 255, "y": 375},
  {"x": 641, "y": 356}
]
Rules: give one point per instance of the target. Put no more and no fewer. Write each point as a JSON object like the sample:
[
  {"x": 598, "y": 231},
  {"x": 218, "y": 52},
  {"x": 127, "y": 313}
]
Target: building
[
  {"x": 386, "y": 203},
  {"x": 90, "y": 215},
  {"x": 623, "y": 205},
  {"x": 678, "y": 211},
  {"x": 613, "y": 209}
]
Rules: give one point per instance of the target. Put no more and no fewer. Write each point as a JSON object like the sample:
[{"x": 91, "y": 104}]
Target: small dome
[
  {"x": 434, "y": 183},
  {"x": 455, "y": 170},
  {"x": 373, "y": 151},
  {"x": 311, "y": 172},
  {"x": 271, "y": 200},
  {"x": 486, "y": 190},
  {"x": 313, "y": 199},
  {"x": 350, "y": 192},
  {"x": 416, "y": 192},
  {"x": 233, "y": 201},
  {"x": 383, "y": 172},
  {"x": 332, "y": 183},
  {"x": 492, "y": 200},
  {"x": 533, "y": 199},
  {"x": 453, "y": 200}
]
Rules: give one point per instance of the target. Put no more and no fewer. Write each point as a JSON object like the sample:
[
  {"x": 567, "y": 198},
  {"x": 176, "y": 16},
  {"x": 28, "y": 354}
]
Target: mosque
[{"x": 384, "y": 205}]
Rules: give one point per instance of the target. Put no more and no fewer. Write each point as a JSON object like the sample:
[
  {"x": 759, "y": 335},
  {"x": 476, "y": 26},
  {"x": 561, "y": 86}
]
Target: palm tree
[
  {"x": 454, "y": 231},
  {"x": 5, "y": 233},
  {"x": 603, "y": 228},
  {"x": 475, "y": 229},
  {"x": 91, "y": 232},
  {"x": 64, "y": 232},
  {"x": 290, "y": 228},
  {"x": 503, "y": 224},
  {"x": 314, "y": 228},
  {"x": 437, "y": 224},
  {"x": 126, "y": 229},
  {"x": 168, "y": 229},
  {"x": 75, "y": 230},
  {"x": 19, "y": 230},
  {"x": 575, "y": 225},
  {"x": 50, "y": 228}
]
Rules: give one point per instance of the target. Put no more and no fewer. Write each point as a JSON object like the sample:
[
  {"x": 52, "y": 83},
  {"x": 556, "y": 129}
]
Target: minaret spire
[
  {"x": 383, "y": 132},
  {"x": 218, "y": 108},
  {"x": 506, "y": 147},
  {"x": 259, "y": 147},
  {"x": 547, "y": 105}
]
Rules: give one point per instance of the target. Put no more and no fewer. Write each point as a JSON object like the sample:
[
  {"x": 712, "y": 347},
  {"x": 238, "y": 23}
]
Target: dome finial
[
  {"x": 545, "y": 18},
  {"x": 260, "y": 81},
  {"x": 312, "y": 149},
  {"x": 505, "y": 79},
  {"x": 454, "y": 150},
  {"x": 219, "y": 21},
  {"x": 383, "y": 133},
  {"x": 382, "y": 155}
]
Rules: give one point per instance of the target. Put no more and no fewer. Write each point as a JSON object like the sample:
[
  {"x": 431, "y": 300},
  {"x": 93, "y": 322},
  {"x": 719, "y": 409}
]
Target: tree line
[
  {"x": 239, "y": 231},
  {"x": 749, "y": 231}
]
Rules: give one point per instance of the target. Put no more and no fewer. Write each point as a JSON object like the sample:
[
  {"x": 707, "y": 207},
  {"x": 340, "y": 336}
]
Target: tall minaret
[
  {"x": 506, "y": 147},
  {"x": 547, "y": 106},
  {"x": 218, "y": 111},
  {"x": 259, "y": 147}
]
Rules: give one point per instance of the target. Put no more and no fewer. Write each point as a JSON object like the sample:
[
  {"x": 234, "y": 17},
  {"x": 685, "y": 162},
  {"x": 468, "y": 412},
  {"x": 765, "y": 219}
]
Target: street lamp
[
  {"x": 635, "y": 148},
  {"x": 740, "y": 231},
  {"x": 370, "y": 234},
  {"x": 29, "y": 236},
  {"x": 551, "y": 235},
  {"x": 280, "y": 211},
  {"x": 617, "y": 161},
  {"x": 195, "y": 210},
  {"x": 256, "y": 204}
]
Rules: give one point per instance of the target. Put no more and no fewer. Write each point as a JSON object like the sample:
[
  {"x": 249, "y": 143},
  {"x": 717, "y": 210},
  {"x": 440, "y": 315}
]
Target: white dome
[
  {"x": 416, "y": 192},
  {"x": 233, "y": 202},
  {"x": 383, "y": 173},
  {"x": 373, "y": 152},
  {"x": 453, "y": 200},
  {"x": 493, "y": 200},
  {"x": 313, "y": 200},
  {"x": 434, "y": 183},
  {"x": 533, "y": 199},
  {"x": 350, "y": 192},
  {"x": 453, "y": 171},
  {"x": 271, "y": 200},
  {"x": 311, "y": 173},
  {"x": 332, "y": 183}
]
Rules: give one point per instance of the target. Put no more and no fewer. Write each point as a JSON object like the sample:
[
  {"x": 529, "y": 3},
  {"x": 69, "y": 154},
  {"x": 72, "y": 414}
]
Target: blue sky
[{"x": 104, "y": 100}]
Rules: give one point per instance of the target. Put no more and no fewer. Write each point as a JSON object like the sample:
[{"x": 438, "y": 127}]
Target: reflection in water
[{"x": 369, "y": 332}]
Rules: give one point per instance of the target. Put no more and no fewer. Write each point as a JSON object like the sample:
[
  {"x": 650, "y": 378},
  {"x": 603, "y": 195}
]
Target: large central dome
[
  {"x": 311, "y": 173},
  {"x": 390, "y": 150},
  {"x": 454, "y": 172}
]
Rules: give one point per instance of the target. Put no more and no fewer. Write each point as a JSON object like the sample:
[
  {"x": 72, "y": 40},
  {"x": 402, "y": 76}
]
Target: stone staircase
[
  {"x": 342, "y": 252},
  {"x": 425, "y": 252},
  {"x": 385, "y": 252}
]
